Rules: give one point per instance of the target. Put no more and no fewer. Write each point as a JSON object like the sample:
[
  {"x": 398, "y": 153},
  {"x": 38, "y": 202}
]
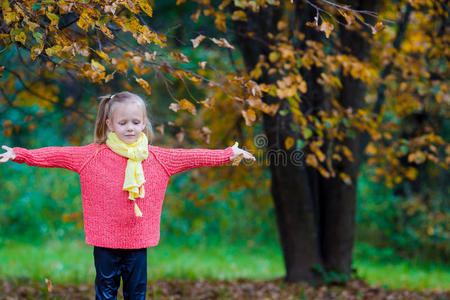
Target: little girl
[{"x": 123, "y": 182}]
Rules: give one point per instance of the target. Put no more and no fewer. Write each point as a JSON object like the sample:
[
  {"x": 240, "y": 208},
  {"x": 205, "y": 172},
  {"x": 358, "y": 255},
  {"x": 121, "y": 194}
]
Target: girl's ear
[{"x": 108, "y": 123}]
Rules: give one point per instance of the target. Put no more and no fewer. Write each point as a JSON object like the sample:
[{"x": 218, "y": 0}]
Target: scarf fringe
[{"x": 137, "y": 211}]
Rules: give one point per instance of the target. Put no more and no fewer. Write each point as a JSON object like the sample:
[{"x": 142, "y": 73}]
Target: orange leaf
[
  {"x": 249, "y": 116},
  {"x": 326, "y": 27},
  {"x": 220, "y": 21},
  {"x": 311, "y": 160},
  {"x": 239, "y": 15},
  {"x": 289, "y": 142},
  {"x": 378, "y": 27},
  {"x": 186, "y": 105}
]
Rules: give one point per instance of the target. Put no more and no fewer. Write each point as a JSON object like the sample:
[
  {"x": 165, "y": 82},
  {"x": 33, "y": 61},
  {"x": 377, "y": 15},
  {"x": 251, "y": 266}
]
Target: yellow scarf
[{"x": 134, "y": 174}]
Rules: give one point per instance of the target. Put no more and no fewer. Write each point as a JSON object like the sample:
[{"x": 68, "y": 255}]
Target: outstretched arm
[
  {"x": 69, "y": 157},
  {"x": 178, "y": 160}
]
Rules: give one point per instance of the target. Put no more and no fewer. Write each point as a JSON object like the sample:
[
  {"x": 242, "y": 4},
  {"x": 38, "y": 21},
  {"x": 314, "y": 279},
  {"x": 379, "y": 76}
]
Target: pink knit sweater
[{"x": 109, "y": 218}]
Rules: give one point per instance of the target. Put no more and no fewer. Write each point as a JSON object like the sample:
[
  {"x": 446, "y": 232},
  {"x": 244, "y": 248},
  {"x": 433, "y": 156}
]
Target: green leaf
[
  {"x": 307, "y": 133},
  {"x": 284, "y": 112},
  {"x": 351, "y": 133},
  {"x": 300, "y": 144}
]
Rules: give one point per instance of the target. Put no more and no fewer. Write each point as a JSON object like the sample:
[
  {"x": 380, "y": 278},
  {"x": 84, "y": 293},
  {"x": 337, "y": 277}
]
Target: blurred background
[{"x": 222, "y": 216}]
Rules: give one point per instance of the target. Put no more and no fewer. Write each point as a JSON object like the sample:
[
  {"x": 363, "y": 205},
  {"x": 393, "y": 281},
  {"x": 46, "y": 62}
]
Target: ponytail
[{"x": 100, "y": 124}]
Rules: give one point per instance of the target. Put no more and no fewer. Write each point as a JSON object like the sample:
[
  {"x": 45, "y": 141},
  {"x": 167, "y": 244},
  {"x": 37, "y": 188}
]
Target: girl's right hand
[{"x": 8, "y": 155}]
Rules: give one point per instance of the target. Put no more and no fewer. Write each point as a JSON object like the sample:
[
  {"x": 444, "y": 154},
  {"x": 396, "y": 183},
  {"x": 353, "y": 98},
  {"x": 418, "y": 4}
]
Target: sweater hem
[{"x": 121, "y": 246}]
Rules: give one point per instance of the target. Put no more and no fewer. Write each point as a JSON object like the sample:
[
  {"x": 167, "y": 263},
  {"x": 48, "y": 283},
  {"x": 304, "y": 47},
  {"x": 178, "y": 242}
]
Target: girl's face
[{"x": 127, "y": 121}]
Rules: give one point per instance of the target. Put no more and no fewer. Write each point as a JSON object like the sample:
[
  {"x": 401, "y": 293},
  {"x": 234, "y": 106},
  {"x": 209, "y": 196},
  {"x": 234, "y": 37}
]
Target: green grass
[{"x": 72, "y": 262}]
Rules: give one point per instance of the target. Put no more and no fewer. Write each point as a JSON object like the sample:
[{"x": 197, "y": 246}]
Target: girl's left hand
[{"x": 237, "y": 151}]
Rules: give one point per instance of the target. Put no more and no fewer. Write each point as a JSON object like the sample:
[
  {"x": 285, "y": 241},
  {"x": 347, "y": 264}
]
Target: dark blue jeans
[{"x": 112, "y": 264}]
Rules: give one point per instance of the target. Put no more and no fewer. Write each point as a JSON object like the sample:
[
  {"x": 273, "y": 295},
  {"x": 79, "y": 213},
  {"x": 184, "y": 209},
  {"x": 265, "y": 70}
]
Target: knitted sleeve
[
  {"x": 178, "y": 160},
  {"x": 69, "y": 157}
]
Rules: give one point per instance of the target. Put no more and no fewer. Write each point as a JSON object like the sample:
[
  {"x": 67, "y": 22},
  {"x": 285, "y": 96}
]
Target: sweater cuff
[
  {"x": 229, "y": 151},
  {"x": 19, "y": 152}
]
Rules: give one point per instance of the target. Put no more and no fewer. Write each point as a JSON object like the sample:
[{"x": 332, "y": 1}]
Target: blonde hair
[{"x": 105, "y": 110}]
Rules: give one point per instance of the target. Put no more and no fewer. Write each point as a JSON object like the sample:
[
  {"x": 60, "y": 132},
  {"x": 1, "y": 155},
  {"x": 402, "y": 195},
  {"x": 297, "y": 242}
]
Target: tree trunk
[{"x": 315, "y": 215}]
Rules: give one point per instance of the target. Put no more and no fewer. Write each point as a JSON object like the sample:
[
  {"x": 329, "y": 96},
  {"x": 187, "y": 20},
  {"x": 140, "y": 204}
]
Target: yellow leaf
[
  {"x": 224, "y": 4},
  {"x": 311, "y": 160},
  {"x": 273, "y": 56},
  {"x": 10, "y": 17},
  {"x": 53, "y": 50},
  {"x": 348, "y": 17},
  {"x": 345, "y": 178},
  {"x": 324, "y": 172},
  {"x": 96, "y": 66},
  {"x": 319, "y": 154},
  {"x": 36, "y": 50},
  {"x": 84, "y": 21},
  {"x": 303, "y": 88},
  {"x": 186, "y": 105},
  {"x": 348, "y": 153},
  {"x": 31, "y": 25},
  {"x": 411, "y": 173},
  {"x": 371, "y": 149},
  {"x": 107, "y": 32},
  {"x": 21, "y": 37},
  {"x": 208, "y": 102},
  {"x": 239, "y": 15},
  {"x": 256, "y": 72},
  {"x": 102, "y": 55},
  {"x": 54, "y": 19},
  {"x": 143, "y": 83},
  {"x": 145, "y": 6}
]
